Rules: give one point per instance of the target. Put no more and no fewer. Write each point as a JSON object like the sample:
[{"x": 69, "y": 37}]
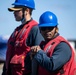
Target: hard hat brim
[
  {"x": 14, "y": 9},
  {"x": 48, "y": 25}
]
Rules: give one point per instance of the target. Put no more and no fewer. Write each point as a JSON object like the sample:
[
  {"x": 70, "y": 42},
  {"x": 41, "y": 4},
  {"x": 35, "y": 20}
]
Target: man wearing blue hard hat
[
  {"x": 54, "y": 56},
  {"x": 23, "y": 37}
]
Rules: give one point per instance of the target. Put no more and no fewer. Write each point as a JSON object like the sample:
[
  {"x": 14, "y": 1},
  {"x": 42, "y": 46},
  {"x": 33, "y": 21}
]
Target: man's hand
[{"x": 34, "y": 50}]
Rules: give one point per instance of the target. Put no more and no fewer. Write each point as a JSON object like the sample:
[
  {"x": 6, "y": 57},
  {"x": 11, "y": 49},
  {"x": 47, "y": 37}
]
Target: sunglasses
[{"x": 46, "y": 28}]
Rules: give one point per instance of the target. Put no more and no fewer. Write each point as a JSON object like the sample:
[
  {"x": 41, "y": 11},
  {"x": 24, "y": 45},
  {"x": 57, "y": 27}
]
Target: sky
[{"x": 65, "y": 11}]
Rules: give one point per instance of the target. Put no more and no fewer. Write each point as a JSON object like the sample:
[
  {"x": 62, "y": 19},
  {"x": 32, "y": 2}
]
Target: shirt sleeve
[
  {"x": 34, "y": 37},
  {"x": 61, "y": 55}
]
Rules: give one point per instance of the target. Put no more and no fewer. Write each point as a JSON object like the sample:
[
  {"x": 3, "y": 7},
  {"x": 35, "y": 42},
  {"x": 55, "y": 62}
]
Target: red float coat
[
  {"x": 68, "y": 69},
  {"x": 17, "y": 50}
]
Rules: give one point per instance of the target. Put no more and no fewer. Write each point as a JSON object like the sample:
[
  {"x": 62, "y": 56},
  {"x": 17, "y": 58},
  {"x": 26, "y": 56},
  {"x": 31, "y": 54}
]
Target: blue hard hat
[
  {"x": 27, "y": 3},
  {"x": 48, "y": 19}
]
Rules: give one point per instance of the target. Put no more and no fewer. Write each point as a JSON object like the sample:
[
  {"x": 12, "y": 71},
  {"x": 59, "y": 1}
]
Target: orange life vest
[
  {"x": 17, "y": 48},
  {"x": 68, "y": 69}
]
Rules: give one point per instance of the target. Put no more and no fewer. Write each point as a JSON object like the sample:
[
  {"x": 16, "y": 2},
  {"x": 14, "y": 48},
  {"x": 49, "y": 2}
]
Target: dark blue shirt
[{"x": 34, "y": 37}]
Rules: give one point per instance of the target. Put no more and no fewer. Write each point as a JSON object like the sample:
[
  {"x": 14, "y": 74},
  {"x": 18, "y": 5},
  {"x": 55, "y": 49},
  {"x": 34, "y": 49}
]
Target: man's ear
[
  {"x": 56, "y": 29},
  {"x": 27, "y": 10}
]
